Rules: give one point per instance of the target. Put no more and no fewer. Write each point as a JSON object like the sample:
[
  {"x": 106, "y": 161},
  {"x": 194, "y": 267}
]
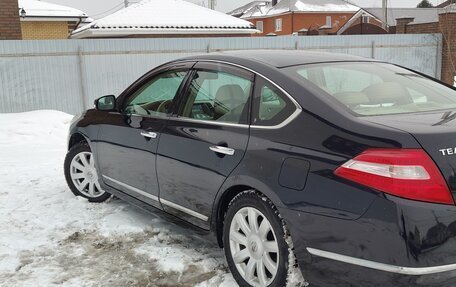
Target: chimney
[
  {"x": 274, "y": 2},
  {"x": 401, "y": 24}
]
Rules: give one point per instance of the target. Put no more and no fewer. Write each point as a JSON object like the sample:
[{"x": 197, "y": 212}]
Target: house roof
[
  {"x": 238, "y": 12},
  {"x": 256, "y": 11},
  {"x": 449, "y": 9},
  {"x": 41, "y": 9},
  {"x": 421, "y": 15},
  {"x": 150, "y": 17},
  {"x": 285, "y": 6},
  {"x": 446, "y": 3},
  {"x": 312, "y": 6}
]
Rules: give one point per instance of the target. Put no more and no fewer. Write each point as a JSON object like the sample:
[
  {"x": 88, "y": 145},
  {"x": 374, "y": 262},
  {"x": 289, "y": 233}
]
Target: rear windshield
[{"x": 370, "y": 89}]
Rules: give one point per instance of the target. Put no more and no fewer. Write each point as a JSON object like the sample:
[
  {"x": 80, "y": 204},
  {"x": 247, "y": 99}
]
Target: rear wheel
[
  {"x": 81, "y": 174},
  {"x": 254, "y": 241}
]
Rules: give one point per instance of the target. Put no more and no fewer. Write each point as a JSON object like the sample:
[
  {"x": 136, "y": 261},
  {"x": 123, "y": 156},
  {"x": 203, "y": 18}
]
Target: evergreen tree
[{"x": 425, "y": 4}]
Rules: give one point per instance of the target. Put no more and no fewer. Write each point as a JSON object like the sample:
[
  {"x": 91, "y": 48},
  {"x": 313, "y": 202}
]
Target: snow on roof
[
  {"x": 349, "y": 23},
  {"x": 247, "y": 7},
  {"x": 88, "y": 20},
  {"x": 285, "y": 6},
  {"x": 446, "y": 4},
  {"x": 312, "y": 6},
  {"x": 449, "y": 9},
  {"x": 34, "y": 8},
  {"x": 164, "y": 17},
  {"x": 421, "y": 15},
  {"x": 256, "y": 11}
]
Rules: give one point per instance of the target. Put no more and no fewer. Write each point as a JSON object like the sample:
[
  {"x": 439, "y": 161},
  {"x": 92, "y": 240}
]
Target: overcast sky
[{"x": 100, "y": 8}]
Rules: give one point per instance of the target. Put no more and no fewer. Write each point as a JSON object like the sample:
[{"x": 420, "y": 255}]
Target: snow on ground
[{"x": 49, "y": 237}]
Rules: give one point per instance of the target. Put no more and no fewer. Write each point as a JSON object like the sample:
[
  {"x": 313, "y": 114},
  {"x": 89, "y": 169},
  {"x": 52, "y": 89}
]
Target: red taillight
[{"x": 408, "y": 173}]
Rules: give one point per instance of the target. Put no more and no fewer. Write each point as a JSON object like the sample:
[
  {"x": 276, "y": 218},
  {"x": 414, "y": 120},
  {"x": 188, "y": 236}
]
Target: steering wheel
[{"x": 164, "y": 106}]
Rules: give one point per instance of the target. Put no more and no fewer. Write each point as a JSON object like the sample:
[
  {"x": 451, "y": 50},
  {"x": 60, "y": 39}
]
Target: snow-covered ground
[{"x": 49, "y": 237}]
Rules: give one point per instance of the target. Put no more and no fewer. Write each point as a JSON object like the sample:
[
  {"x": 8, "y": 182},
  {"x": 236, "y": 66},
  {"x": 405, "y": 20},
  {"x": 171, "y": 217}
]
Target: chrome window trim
[
  {"x": 414, "y": 271},
  {"x": 162, "y": 201},
  {"x": 157, "y": 117},
  {"x": 284, "y": 122},
  {"x": 184, "y": 119}
]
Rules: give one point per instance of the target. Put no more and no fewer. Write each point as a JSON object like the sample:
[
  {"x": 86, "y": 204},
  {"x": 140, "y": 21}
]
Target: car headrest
[
  {"x": 231, "y": 96},
  {"x": 352, "y": 99},
  {"x": 388, "y": 92}
]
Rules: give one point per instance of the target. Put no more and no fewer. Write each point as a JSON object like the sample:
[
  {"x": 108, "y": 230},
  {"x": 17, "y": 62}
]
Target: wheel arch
[
  {"x": 232, "y": 187},
  {"x": 76, "y": 138}
]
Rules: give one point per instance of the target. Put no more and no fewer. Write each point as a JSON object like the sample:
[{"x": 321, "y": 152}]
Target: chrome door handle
[
  {"x": 222, "y": 150},
  {"x": 150, "y": 135}
]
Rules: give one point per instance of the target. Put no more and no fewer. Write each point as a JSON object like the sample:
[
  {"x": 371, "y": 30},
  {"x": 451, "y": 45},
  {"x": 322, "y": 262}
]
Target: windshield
[{"x": 370, "y": 89}]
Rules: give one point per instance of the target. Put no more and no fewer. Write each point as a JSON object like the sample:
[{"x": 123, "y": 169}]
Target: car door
[
  {"x": 128, "y": 139},
  {"x": 205, "y": 141}
]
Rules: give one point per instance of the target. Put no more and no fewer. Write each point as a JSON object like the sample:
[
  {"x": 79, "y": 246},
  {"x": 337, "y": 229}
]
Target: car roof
[{"x": 282, "y": 58}]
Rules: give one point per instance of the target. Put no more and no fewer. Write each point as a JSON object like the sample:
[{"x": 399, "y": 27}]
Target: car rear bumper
[
  {"x": 396, "y": 242},
  {"x": 328, "y": 272},
  {"x": 416, "y": 271}
]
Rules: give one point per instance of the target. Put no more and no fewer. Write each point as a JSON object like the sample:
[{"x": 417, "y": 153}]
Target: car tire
[
  {"x": 81, "y": 174},
  {"x": 257, "y": 253}
]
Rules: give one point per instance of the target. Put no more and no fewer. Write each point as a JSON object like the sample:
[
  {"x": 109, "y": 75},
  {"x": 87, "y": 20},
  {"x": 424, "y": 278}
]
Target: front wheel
[
  {"x": 254, "y": 241},
  {"x": 81, "y": 174}
]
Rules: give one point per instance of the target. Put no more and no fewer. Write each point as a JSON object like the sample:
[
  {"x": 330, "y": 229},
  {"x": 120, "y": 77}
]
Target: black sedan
[{"x": 344, "y": 163}]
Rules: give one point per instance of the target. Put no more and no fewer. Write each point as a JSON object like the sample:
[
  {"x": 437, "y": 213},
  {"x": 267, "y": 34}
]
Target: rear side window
[
  {"x": 376, "y": 88},
  {"x": 271, "y": 106}
]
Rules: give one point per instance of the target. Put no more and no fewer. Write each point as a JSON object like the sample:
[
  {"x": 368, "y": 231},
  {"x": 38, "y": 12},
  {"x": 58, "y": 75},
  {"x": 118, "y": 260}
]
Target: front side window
[
  {"x": 156, "y": 96},
  {"x": 376, "y": 88},
  {"x": 271, "y": 106},
  {"x": 219, "y": 97}
]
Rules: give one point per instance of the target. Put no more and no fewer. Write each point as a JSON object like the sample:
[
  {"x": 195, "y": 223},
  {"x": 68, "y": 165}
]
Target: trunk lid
[{"x": 435, "y": 132}]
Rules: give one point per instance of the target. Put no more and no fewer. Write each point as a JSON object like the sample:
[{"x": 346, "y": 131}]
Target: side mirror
[{"x": 106, "y": 103}]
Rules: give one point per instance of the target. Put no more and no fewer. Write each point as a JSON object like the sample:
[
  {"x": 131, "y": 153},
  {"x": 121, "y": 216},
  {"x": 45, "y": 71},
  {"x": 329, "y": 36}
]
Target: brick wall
[
  {"x": 316, "y": 20},
  {"x": 293, "y": 22},
  {"x": 447, "y": 27},
  {"x": 10, "y": 27},
  {"x": 44, "y": 30},
  {"x": 402, "y": 23},
  {"x": 425, "y": 28}
]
